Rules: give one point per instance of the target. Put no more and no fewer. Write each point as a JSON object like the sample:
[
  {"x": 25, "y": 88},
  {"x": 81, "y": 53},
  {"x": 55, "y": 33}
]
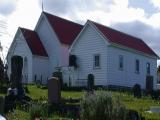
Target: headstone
[
  {"x": 54, "y": 91},
  {"x": 90, "y": 82},
  {"x": 149, "y": 84},
  {"x": 9, "y": 101},
  {"x": 16, "y": 71}
]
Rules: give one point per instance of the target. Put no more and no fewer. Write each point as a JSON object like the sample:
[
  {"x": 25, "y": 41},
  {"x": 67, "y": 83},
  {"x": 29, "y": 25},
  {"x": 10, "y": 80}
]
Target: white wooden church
[{"x": 113, "y": 57}]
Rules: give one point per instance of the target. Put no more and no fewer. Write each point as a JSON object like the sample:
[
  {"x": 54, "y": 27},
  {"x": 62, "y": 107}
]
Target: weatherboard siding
[
  {"x": 64, "y": 58},
  {"x": 86, "y": 46},
  {"x": 128, "y": 77},
  {"x": 51, "y": 43},
  {"x": 20, "y": 48},
  {"x": 40, "y": 68},
  {"x": 90, "y": 43}
]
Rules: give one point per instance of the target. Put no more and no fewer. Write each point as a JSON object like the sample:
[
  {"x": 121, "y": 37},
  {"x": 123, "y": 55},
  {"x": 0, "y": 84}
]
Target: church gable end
[
  {"x": 34, "y": 42},
  {"x": 65, "y": 30}
]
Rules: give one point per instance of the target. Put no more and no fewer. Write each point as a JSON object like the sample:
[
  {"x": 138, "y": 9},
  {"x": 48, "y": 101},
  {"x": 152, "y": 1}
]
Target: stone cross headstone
[{"x": 54, "y": 90}]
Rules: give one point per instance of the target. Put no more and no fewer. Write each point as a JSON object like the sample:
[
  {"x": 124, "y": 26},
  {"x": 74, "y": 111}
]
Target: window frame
[
  {"x": 121, "y": 63},
  {"x": 148, "y": 65},
  {"x": 94, "y": 61},
  {"x": 137, "y": 68}
]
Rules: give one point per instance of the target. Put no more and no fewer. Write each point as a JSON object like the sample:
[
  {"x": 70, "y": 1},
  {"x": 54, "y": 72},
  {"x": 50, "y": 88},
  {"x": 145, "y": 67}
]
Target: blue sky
[{"x": 140, "y": 18}]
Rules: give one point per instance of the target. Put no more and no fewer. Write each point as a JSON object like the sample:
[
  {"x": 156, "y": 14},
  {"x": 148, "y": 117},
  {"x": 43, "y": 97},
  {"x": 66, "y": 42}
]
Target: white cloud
[
  {"x": 154, "y": 20},
  {"x": 26, "y": 15},
  {"x": 106, "y": 11},
  {"x": 156, "y": 3},
  {"x": 141, "y": 30},
  {"x": 7, "y": 6}
]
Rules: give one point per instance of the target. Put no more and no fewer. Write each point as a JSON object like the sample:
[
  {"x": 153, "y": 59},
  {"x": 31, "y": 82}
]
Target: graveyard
[
  {"x": 51, "y": 101},
  {"x": 40, "y": 93}
]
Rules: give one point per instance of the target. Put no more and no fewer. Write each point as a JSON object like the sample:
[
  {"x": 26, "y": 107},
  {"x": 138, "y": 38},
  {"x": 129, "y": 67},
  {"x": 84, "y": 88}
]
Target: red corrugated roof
[
  {"x": 124, "y": 39},
  {"x": 34, "y": 42},
  {"x": 65, "y": 30}
]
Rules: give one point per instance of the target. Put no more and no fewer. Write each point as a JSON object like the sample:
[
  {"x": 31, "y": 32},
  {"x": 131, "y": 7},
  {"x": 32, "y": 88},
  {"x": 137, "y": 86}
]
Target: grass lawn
[
  {"x": 2, "y": 94},
  {"x": 36, "y": 93},
  {"x": 141, "y": 105}
]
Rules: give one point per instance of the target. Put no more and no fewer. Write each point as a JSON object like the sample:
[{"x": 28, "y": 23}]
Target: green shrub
[
  {"x": 26, "y": 89},
  {"x": 137, "y": 91},
  {"x": 17, "y": 115},
  {"x": 102, "y": 106},
  {"x": 38, "y": 83},
  {"x": 38, "y": 110},
  {"x": 155, "y": 94}
]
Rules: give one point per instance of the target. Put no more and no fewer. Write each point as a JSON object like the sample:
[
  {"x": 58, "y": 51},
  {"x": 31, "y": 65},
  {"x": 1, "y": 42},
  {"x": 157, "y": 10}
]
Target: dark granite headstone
[
  {"x": 16, "y": 72},
  {"x": 90, "y": 83},
  {"x": 54, "y": 91}
]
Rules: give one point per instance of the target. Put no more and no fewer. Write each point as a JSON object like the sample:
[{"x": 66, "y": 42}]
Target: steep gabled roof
[
  {"x": 34, "y": 42},
  {"x": 65, "y": 30},
  {"x": 117, "y": 37}
]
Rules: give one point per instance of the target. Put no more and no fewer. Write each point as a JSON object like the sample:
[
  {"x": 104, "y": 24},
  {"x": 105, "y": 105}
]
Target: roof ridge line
[
  {"x": 137, "y": 38},
  {"x": 119, "y": 32},
  {"x": 27, "y": 29},
  {"x": 63, "y": 18}
]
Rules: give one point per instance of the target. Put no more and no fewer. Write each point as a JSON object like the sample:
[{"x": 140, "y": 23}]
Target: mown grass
[
  {"x": 18, "y": 115},
  {"x": 22, "y": 115},
  {"x": 2, "y": 94},
  {"x": 36, "y": 93},
  {"x": 141, "y": 105}
]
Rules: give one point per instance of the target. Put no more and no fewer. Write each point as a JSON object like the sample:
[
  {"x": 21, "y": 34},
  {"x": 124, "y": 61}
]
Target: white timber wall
[
  {"x": 87, "y": 45},
  {"x": 128, "y": 77},
  {"x": 20, "y": 48},
  {"x": 64, "y": 60},
  {"x": 40, "y": 68},
  {"x": 50, "y": 42}
]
